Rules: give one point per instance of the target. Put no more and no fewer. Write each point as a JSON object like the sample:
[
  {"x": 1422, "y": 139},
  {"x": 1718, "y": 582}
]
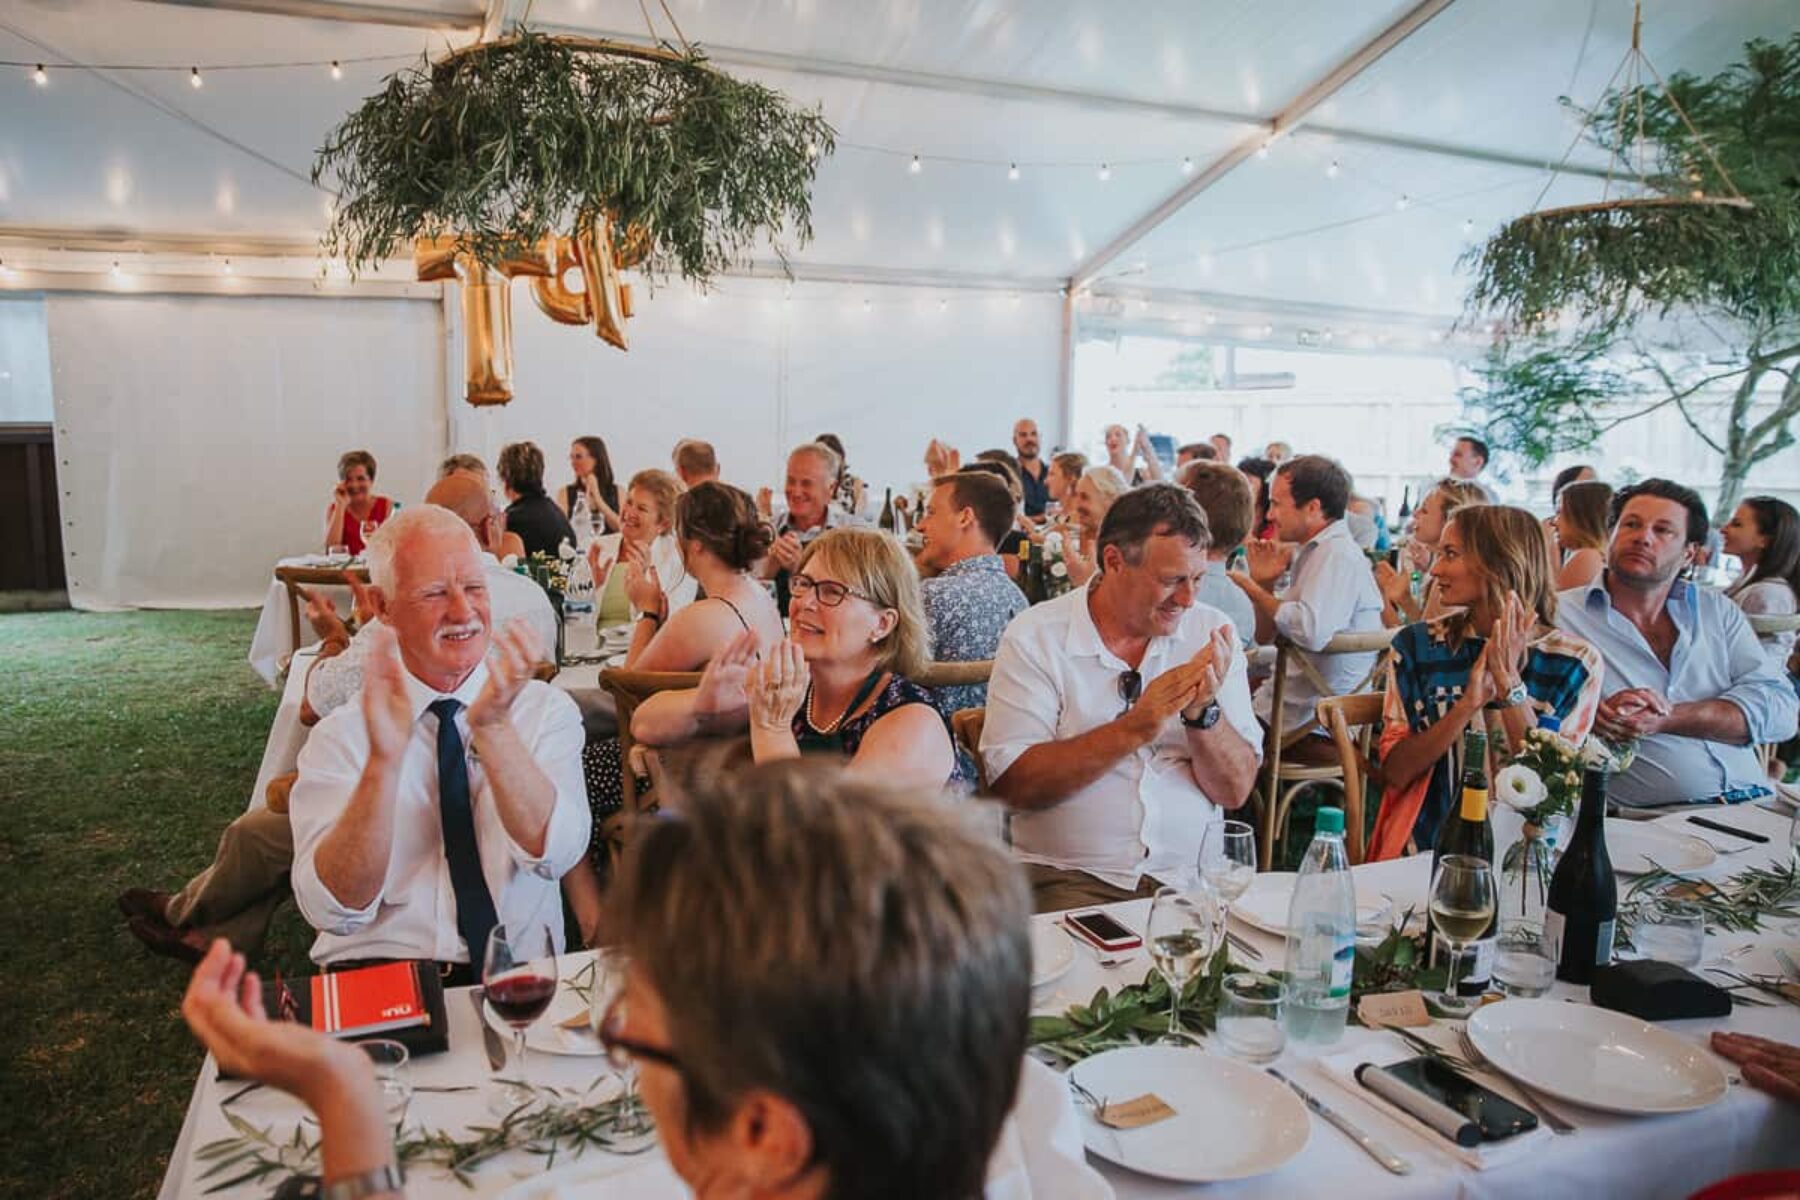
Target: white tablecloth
[{"x": 272, "y": 643}]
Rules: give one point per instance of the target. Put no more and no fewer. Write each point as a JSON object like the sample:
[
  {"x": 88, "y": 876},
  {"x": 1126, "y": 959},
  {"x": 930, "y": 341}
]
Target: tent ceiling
[{"x": 1056, "y": 85}]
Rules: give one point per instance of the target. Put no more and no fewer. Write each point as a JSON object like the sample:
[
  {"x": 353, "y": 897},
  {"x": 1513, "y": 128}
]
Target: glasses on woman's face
[
  {"x": 621, "y": 1051},
  {"x": 830, "y": 592}
]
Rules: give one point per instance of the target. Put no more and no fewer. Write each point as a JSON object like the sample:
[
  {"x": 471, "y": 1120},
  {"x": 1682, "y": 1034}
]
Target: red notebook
[{"x": 368, "y": 1000}]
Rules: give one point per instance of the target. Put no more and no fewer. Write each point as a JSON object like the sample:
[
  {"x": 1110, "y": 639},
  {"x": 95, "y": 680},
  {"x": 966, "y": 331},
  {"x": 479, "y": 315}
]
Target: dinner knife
[
  {"x": 490, "y": 1037},
  {"x": 1733, "y": 830},
  {"x": 1374, "y": 1149}
]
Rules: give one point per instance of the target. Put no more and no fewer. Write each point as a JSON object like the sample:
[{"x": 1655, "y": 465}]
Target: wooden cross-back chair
[
  {"x": 1353, "y": 722},
  {"x": 294, "y": 579}
]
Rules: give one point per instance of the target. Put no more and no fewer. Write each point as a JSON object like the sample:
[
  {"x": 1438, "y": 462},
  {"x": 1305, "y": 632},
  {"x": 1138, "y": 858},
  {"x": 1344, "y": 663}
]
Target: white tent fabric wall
[
  {"x": 755, "y": 374},
  {"x": 24, "y": 362},
  {"x": 197, "y": 437}
]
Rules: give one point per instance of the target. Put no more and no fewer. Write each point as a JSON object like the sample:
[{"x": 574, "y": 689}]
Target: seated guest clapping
[
  {"x": 1494, "y": 659},
  {"x": 355, "y": 510},
  {"x": 1098, "y": 488},
  {"x": 968, "y": 598},
  {"x": 593, "y": 482},
  {"x": 813, "y": 472},
  {"x": 827, "y": 996},
  {"x": 638, "y": 572},
  {"x": 841, "y": 685},
  {"x": 1118, "y": 717},
  {"x": 1687, "y": 682},
  {"x": 542, "y": 526},
  {"x": 450, "y": 798},
  {"x": 1438, "y": 505}
]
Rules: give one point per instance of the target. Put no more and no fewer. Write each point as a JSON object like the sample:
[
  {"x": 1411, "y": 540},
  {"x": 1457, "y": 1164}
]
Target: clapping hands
[
  {"x": 722, "y": 683},
  {"x": 1187, "y": 688},
  {"x": 512, "y": 663},
  {"x": 776, "y": 687},
  {"x": 786, "y": 551},
  {"x": 642, "y": 586},
  {"x": 1267, "y": 559}
]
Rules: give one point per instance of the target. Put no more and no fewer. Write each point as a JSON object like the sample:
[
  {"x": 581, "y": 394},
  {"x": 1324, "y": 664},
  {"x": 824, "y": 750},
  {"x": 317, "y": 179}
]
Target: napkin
[{"x": 1341, "y": 1070}]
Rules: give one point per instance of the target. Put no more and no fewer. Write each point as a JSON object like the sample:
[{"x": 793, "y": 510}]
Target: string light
[
  {"x": 194, "y": 79},
  {"x": 40, "y": 76},
  {"x": 1105, "y": 173},
  {"x": 915, "y": 166},
  {"x": 943, "y": 305},
  {"x": 812, "y": 149},
  {"x": 1331, "y": 172},
  {"x": 1012, "y": 172},
  {"x": 337, "y": 70},
  {"x": 1402, "y": 203},
  {"x": 1211, "y": 318},
  {"x": 1187, "y": 165},
  {"x": 117, "y": 271},
  {"x": 867, "y": 304},
  {"x": 1262, "y": 151},
  {"x": 226, "y": 267},
  {"x": 1468, "y": 226}
]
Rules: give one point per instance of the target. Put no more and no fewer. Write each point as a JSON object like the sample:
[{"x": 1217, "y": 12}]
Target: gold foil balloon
[
  {"x": 553, "y": 297},
  {"x": 600, "y": 274},
  {"x": 487, "y": 333}
]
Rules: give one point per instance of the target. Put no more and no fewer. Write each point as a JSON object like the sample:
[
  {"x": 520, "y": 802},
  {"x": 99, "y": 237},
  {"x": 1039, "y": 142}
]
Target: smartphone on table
[
  {"x": 1497, "y": 1117},
  {"x": 1102, "y": 931}
]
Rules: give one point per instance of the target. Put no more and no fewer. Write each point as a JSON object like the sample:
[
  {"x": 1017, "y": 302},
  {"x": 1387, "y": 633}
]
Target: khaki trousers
[
  {"x": 1054, "y": 889},
  {"x": 236, "y": 897}
]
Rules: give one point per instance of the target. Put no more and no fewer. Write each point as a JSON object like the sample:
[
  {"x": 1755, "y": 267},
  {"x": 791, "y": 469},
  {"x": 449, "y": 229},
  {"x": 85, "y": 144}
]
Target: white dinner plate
[
  {"x": 546, "y": 1033},
  {"x": 1264, "y": 904},
  {"x": 1052, "y": 954},
  {"x": 1597, "y": 1057},
  {"x": 1636, "y": 846},
  {"x": 594, "y": 1174},
  {"x": 1231, "y": 1121}
]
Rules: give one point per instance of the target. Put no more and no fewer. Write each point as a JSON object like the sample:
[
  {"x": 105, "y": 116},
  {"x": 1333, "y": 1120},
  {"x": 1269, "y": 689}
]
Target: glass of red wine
[{"x": 519, "y": 978}]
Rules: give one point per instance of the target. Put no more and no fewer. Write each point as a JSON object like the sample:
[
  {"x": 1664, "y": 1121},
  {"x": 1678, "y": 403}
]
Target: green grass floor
[{"x": 127, "y": 742}]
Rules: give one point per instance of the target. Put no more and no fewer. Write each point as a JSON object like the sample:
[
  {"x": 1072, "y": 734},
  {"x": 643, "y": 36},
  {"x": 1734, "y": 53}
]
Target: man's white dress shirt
[
  {"x": 1331, "y": 591},
  {"x": 1055, "y": 679},
  {"x": 414, "y": 913},
  {"x": 334, "y": 681}
]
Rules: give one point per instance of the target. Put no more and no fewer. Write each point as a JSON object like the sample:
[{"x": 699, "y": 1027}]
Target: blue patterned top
[{"x": 968, "y": 606}]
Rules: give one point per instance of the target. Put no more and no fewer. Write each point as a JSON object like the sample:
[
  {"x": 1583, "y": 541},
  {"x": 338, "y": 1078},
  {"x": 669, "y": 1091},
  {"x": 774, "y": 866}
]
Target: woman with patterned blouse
[{"x": 1492, "y": 657}]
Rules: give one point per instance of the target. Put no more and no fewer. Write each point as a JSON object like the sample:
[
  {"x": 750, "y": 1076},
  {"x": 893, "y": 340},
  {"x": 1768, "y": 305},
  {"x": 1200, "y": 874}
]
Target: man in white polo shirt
[{"x": 1118, "y": 716}]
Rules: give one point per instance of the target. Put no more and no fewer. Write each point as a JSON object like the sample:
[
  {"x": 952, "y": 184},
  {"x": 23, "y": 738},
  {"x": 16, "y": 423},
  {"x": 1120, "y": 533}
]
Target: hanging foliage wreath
[{"x": 505, "y": 142}]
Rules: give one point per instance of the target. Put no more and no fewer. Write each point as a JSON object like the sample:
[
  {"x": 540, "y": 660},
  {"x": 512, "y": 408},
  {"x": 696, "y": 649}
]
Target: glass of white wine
[
  {"x": 1183, "y": 933},
  {"x": 1462, "y": 906},
  {"x": 1228, "y": 861}
]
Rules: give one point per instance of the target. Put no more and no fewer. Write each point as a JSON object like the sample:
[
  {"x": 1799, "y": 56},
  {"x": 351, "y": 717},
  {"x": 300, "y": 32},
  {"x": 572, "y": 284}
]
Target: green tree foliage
[{"x": 1604, "y": 308}]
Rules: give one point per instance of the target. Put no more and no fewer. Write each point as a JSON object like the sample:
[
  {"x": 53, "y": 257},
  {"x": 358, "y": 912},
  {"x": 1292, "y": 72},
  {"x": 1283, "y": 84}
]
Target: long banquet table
[{"x": 1607, "y": 1156}]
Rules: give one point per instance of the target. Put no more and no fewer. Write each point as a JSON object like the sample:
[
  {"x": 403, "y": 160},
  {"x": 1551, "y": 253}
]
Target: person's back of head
[
  {"x": 695, "y": 461},
  {"x": 1314, "y": 477},
  {"x": 521, "y": 468},
  {"x": 470, "y": 463},
  {"x": 1224, "y": 496},
  {"x": 867, "y": 962},
  {"x": 466, "y": 496},
  {"x": 1003, "y": 470},
  {"x": 724, "y": 521},
  {"x": 1196, "y": 451},
  {"x": 1581, "y": 516}
]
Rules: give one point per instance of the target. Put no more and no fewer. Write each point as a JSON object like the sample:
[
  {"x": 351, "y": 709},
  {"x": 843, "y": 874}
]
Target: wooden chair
[
  {"x": 296, "y": 578},
  {"x": 966, "y": 725},
  {"x": 1352, "y": 722},
  {"x": 630, "y": 689},
  {"x": 955, "y": 674},
  {"x": 1282, "y": 781},
  {"x": 1764, "y": 624}
]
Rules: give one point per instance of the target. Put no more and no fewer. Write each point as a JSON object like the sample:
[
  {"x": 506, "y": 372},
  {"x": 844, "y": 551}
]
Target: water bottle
[
  {"x": 1321, "y": 941},
  {"x": 581, "y": 518}
]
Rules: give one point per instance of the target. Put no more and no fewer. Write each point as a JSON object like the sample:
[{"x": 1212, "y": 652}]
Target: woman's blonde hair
[
  {"x": 875, "y": 565},
  {"x": 1110, "y": 481},
  {"x": 663, "y": 487},
  {"x": 1071, "y": 465},
  {"x": 1507, "y": 546},
  {"x": 1459, "y": 494},
  {"x": 1581, "y": 521}
]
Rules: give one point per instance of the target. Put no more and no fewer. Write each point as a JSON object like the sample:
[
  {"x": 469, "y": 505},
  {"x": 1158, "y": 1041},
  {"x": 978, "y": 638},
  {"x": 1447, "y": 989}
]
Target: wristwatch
[
  {"x": 1515, "y": 696},
  {"x": 1209, "y": 716},
  {"x": 376, "y": 1182}
]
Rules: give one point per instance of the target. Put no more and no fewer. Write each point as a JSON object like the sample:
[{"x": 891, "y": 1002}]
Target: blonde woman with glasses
[{"x": 842, "y": 681}]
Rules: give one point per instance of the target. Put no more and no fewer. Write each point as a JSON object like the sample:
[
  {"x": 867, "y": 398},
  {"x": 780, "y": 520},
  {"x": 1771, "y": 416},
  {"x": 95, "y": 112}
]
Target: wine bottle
[
  {"x": 1466, "y": 830},
  {"x": 1405, "y": 504},
  {"x": 1584, "y": 895},
  {"x": 889, "y": 522}
]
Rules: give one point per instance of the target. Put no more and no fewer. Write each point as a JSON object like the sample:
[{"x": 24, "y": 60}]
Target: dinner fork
[{"x": 1531, "y": 1099}]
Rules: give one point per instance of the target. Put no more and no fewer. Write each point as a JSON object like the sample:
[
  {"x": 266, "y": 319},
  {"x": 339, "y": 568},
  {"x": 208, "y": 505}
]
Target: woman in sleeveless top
[
  {"x": 720, "y": 538},
  {"x": 640, "y": 568},
  {"x": 840, "y": 685},
  {"x": 355, "y": 502},
  {"x": 593, "y": 479}
]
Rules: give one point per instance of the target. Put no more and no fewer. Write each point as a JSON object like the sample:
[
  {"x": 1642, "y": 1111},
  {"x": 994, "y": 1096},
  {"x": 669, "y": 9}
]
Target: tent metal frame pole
[
  {"x": 1291, "y": 115},
  {"x": 353, "y": 11}
]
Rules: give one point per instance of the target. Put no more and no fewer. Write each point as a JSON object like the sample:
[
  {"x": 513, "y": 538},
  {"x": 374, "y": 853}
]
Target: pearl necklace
[{"x": 812, "y": 722}]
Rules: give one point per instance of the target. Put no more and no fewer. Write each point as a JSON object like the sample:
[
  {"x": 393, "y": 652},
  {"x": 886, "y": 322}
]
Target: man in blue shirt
[
  {"x": 1685, "y": 676},
  {"x": 967, "y": 595},
  {"x": 1034, "y": 472}
]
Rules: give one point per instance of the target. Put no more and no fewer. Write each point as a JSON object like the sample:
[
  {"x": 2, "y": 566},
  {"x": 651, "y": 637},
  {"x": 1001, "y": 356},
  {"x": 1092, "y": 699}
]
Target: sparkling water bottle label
[{"x": 1343, "y": 967}]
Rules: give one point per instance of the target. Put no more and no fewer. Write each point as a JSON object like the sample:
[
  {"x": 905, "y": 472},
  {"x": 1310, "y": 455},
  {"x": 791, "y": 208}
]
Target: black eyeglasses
[
  {"x": 1131, "y": 686},
  {"x": 620, "y": 1051},
  {"x": 830, "y": 592}
]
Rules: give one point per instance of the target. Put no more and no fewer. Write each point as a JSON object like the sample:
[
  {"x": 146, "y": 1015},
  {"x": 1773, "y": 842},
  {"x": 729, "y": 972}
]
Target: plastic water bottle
[
  {"x": 1321, "y": 942},
  {"x": 581, "y": 520}
]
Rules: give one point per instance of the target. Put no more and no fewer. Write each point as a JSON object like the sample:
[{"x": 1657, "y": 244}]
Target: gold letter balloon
[{"x": 604, "y": 300}]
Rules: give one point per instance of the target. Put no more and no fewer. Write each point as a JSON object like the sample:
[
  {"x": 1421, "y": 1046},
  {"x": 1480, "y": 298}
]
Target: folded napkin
[{"x": 1341, "y": 1070}]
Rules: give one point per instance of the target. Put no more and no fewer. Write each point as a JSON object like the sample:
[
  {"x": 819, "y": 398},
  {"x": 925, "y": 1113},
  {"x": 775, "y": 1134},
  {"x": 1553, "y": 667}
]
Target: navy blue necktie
[{"x": 475, "y": 917}]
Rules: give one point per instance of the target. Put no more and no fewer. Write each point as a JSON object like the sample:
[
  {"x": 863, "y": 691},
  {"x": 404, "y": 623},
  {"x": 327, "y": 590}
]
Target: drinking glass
[
  {"x": 1250, "y": 1017},
  {"x": 368, "y": 530},
  {"x": 1522, "y": 963},
  {"x": 1183, "y": 933},
  {"x": 519, "y": 980},
  {"x": 338, "y": 550},
  {"x": 389, "y": 1058},
  {"x": 634, "y": 1131},
  {"x": 1462, "y": 904},
  {"x": 1672, "y": 931},
  {"x": 1228, "y": 860}
]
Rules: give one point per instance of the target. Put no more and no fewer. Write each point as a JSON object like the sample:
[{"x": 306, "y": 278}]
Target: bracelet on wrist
[{"x": 377, "y": 1181}]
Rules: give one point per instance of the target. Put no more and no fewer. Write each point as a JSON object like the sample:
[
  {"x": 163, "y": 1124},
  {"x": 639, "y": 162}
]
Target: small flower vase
[{"x": 1525, "y": 872}]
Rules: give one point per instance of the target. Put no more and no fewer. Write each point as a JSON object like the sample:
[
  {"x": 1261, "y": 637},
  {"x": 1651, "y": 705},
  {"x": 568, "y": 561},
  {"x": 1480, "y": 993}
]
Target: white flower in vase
[{"x": 1519, "y": 787}]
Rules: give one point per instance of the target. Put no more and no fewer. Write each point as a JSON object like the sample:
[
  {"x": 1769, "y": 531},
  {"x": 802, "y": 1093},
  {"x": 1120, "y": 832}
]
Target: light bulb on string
[
  {"x": 226, "y": 266},
  {"x": 1211, "y": 318},
  {"x": 1012, "y": 172},
  {"x": 117, "y": 270},
  {"x": 1187, "y": 165},
  {"x": 1402, "y": 203},
  {"x": 1331, "y": 170},
  {"x": 194, "y": 79},
  {"x": 1262, "y": 151},
  {"x": 1105, "y": 173},
  {"x": 1468, "y": 226},
  {"x": 40, "y": 76},
  {"x": 867, "y": 304},
  {"x": 812, "y": 149},
  {"x": 337, "y": 71},
  {"x": 915, "y": 166},
  {"x": 943, "y": 305}
]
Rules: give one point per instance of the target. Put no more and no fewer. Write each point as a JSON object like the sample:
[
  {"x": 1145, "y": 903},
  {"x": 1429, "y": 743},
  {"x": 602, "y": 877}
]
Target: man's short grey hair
[
  {"x": 834, "y": 465},
  {"x": 384, "y": 546}
]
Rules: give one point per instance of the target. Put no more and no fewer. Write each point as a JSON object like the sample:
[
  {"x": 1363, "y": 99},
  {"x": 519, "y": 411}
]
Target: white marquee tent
[{"x": 1259, "y": 169}]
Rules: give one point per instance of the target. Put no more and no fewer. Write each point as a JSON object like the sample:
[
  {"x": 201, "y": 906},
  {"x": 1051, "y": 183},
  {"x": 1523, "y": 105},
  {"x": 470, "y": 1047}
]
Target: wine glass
[
  {"x": 1183, "y": 933},
  {"x": 1462, "y": 906},
  {"x": 389, "y": 1059},
  {"x": 1228, "y": 861},
  {"x": 519, "y": 980},
  {"x": 633, "y": 1132},
  {"x": 368, "y": 531}
]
